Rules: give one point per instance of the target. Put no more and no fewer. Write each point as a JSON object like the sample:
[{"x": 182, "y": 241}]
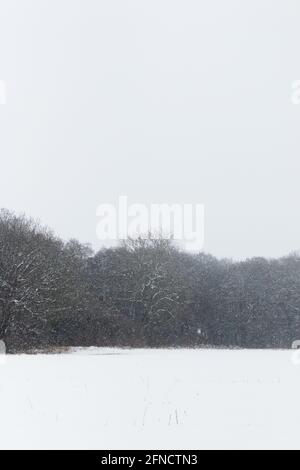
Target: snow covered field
[{"x": 130, "y": 399}]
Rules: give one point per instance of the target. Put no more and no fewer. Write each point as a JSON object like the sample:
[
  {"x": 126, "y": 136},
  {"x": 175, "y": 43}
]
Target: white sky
[{"x": 160, "y": 100}]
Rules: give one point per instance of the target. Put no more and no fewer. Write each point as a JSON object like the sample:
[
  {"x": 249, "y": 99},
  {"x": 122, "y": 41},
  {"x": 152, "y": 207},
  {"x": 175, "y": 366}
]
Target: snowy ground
[{"x": 182, "y": 399}]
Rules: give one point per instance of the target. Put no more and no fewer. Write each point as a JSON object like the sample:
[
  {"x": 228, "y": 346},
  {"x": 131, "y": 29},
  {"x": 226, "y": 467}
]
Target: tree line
[{"x": 143, "y": 293}]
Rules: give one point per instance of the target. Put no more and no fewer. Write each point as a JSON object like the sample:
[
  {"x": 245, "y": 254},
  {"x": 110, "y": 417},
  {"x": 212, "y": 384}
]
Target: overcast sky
[{"x": 161, "y": 100}]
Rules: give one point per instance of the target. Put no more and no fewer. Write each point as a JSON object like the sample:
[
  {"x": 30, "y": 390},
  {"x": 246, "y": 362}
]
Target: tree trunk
[
  {"x": 3, "y": 329},
  {"x": 2, "y": 347}
]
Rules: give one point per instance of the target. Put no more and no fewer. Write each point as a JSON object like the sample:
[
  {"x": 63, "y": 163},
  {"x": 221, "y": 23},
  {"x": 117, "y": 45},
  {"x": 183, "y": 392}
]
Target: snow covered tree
[{"x": 39, "y": 279}]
